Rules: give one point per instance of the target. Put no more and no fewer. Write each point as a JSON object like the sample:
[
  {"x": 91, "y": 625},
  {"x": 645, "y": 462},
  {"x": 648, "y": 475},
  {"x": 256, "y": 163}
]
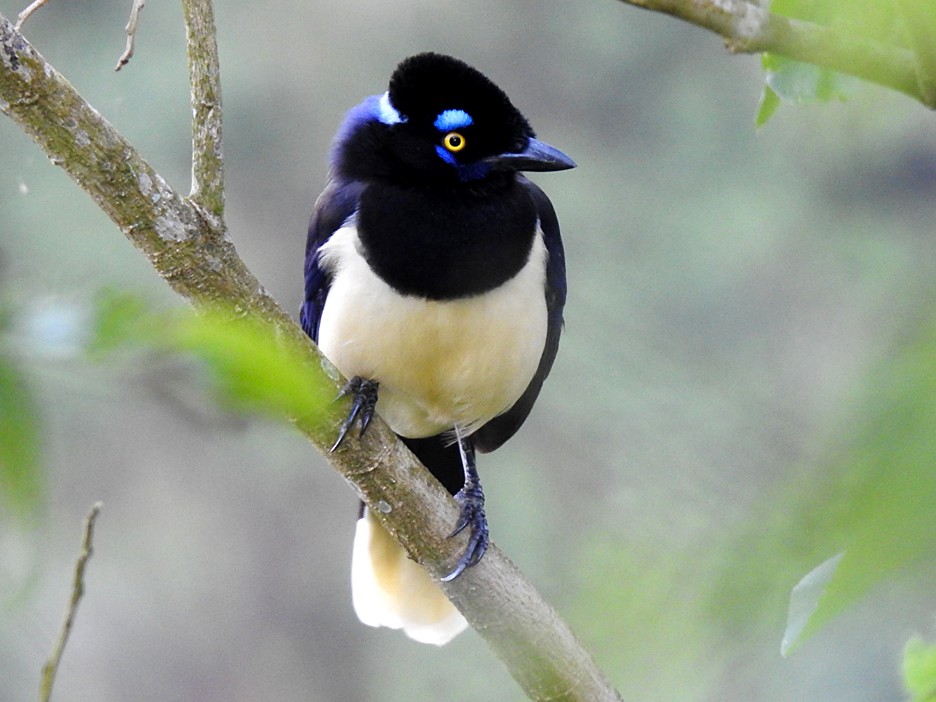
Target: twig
[
  {"x": 24, "y": 15},
  {"x": 51, "y": 667},
  {"x": 205, "y": 81},
  {"x": 131, "y": 33}
]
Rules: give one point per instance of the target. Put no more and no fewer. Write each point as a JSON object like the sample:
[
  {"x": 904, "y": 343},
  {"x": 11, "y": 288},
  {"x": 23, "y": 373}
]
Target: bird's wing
[
  {"x": 337, "y": 203},
  {"x": 498, "y": 430}
]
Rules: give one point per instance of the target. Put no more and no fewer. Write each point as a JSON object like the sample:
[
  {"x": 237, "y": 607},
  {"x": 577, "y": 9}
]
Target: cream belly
[{"x": 440, "y": 364}]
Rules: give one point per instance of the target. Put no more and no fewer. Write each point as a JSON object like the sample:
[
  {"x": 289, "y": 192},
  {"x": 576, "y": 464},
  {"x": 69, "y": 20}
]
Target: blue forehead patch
[{"x": 452, "y": 119}]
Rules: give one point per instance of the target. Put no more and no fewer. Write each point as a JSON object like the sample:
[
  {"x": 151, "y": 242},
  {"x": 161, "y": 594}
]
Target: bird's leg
[
  {"x": 472, "y": 517},
  {"x": 363, "y": 401}
]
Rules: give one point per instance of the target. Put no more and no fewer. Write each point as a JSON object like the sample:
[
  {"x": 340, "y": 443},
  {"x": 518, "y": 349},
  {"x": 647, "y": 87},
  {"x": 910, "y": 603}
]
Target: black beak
[{"x": 537, "y": 156}]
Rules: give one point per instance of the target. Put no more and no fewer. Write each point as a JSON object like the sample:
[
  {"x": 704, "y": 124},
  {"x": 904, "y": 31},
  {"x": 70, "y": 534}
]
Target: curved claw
[
  {"x": 472, "y": 517},
  {"x": 363, "y": 402}
]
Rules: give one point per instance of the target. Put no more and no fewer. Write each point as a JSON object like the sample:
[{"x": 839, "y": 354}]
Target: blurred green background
[{"x": 734, "y": 294}]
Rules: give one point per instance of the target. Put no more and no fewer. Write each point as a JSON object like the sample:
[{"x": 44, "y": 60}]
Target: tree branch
[
  {"x": 191, "y": 250},
  {"x": 748, "y": 28},
  {"x": 27, "y": 13},
  {"x": 51, "y": 667}
]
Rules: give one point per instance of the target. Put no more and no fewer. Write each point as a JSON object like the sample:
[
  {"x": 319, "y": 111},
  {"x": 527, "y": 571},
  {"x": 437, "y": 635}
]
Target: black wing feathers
[{"x": 334, "y": 206}]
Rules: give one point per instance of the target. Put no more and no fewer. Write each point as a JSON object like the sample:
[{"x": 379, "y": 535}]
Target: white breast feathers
[{"x": 440, "y": 364}]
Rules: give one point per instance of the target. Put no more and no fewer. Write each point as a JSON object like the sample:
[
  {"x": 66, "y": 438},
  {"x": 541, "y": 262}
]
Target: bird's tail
[{"x": 388, "y": 589}]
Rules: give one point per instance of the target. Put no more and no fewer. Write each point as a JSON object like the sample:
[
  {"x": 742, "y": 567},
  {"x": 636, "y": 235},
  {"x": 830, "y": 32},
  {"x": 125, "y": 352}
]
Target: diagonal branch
[
  {"x": 191, "y": 250},
  {"x": 750, "y": 29}
]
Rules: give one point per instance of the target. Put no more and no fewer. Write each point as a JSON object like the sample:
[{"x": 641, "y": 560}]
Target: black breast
[{"x": 446, "y": 242}]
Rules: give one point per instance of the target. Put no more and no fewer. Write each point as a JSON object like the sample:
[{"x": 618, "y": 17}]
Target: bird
[{"x": 435, "y": 282}]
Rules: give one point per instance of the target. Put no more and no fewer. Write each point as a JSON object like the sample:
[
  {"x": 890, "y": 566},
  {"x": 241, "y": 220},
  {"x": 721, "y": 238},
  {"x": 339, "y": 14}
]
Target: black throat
[{"x": 448, "y": 241}]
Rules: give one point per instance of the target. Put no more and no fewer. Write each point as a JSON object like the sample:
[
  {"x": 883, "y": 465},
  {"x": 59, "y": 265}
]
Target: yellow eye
[{"x": 454, "y": 142}]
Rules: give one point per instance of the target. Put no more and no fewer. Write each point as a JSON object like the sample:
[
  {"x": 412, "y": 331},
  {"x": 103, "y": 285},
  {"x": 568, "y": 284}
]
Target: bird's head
[{"x": 441, "y": 121}]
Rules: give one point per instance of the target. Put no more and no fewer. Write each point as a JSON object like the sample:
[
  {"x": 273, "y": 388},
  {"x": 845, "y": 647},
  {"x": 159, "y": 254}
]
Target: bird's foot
[
  {"x": 472, "y": 517},
  {"x": 363, "y": 401}
]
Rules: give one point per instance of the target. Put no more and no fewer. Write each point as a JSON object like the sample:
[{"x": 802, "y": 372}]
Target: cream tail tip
[{"x": 388, "y": 589}]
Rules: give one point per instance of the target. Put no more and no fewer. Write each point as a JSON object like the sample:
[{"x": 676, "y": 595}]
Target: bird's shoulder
[{"x": 334, "y": 207}]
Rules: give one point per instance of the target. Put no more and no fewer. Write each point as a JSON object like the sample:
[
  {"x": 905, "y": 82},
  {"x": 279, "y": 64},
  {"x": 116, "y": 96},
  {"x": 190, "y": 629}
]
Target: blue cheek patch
[
  {"x": 446, "y": 156},
  {"x": 466, "y": 171},
  {"x": 452, "y": 119}
]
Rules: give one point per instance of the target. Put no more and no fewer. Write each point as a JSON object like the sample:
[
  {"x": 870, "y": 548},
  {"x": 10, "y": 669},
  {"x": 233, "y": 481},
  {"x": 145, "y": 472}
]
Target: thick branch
[
  {"x": 193, "y": 253},
  {"x": 205, "y": 79},
  {"x": 748, "y": 28}
]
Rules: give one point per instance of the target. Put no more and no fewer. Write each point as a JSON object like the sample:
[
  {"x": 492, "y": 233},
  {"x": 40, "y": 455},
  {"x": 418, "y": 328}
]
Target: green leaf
[
  {"x": 254, "y": 368},
  {"x": 919, "y": 670},
  {"x": 884, "y": 503},
  {"x": 20, "y": 476},
  {"x": 769, "y": 103},
  {"x": 804, "y": 601},
  {"x": 122, "y": 319},
  {"x": 805, "y": 83}
]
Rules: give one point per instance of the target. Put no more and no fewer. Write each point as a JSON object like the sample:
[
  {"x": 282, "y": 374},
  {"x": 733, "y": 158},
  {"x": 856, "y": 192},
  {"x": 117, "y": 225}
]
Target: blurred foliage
[
  {"x": 876, "y": 20},
  {"x": 252, "y": 368},
  {"x": 20, "y": 470},
  {"x": 804, "y": 601},
  {"x": 888, "y": 504},
  {"x": 919, "y": 670},
  {"x": 803, "y": 83},
  {"x": 866, "y": 520},
  {"x": 122, "y": 320},
  {"x": 21, "y": 476},
  {"x": 698, "y": 450},
  {"x": 875, "y": 500}
]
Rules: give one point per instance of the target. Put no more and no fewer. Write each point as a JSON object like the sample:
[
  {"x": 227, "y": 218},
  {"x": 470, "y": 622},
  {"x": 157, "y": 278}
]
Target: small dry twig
[
  {"x": 131, "y": 33},
  {"x": 24, "y": 15},
  {"x": 51, "y": 667}
]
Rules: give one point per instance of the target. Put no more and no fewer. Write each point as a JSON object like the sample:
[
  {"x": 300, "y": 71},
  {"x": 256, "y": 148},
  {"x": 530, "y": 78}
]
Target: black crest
[{"x": 425, "y": 85}]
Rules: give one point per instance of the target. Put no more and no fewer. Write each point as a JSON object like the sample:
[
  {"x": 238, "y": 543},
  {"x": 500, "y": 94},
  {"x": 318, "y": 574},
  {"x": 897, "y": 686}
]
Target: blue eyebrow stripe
[{"x": 452, "y": 119}]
